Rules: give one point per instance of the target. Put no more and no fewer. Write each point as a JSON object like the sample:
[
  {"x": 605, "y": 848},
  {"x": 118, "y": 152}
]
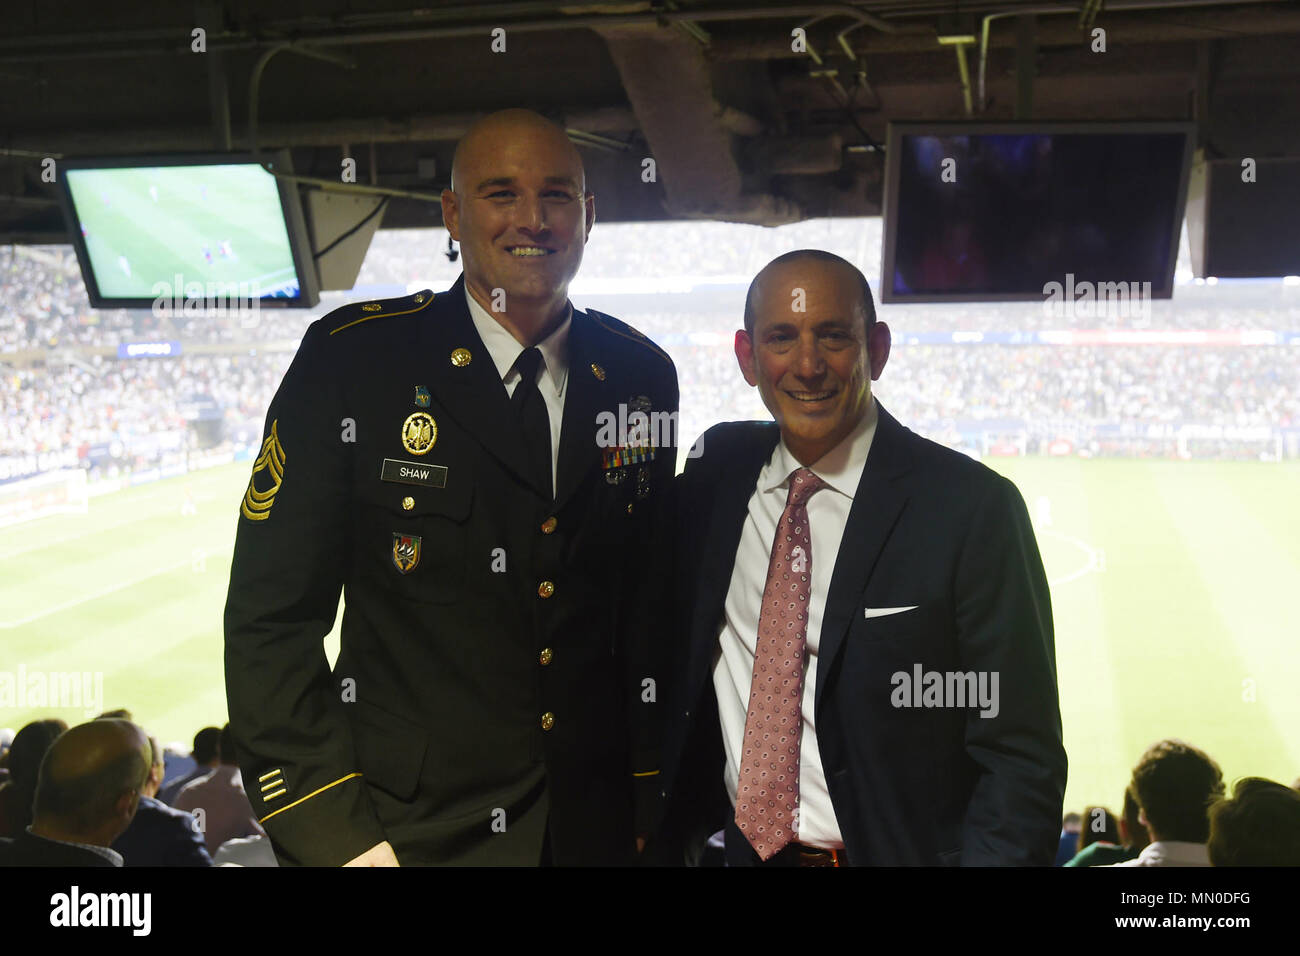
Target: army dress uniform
[{"x": 499, "y": 659}]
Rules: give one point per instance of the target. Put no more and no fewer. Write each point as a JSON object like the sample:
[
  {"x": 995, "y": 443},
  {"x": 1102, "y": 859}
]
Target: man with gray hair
[
  {"x": 160, "y": 835},
  {"x": 87, "y": 792}
]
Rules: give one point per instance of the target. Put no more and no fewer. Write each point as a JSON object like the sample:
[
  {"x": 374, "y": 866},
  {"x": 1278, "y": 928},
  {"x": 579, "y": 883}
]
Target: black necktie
[{"x": 534, "y": 420}]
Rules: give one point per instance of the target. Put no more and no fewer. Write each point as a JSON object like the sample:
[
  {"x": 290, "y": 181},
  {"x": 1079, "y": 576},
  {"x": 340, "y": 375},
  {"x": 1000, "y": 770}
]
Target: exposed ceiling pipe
[
  {"x": 98, "y": 45},
  {"x": 987, "y": 24}
]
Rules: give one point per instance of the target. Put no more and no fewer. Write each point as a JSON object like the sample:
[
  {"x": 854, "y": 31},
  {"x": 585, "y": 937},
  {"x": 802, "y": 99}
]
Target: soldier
[{"x": 438, "y": 458}]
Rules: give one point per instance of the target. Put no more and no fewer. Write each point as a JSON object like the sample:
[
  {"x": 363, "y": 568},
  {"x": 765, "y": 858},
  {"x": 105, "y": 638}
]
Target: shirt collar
[
  {"x": 505, "y": 349},
  {"x": 109, "y": 854},
  {"x": 1176, "y": 852},
  {"x": 841, "y": 467}
]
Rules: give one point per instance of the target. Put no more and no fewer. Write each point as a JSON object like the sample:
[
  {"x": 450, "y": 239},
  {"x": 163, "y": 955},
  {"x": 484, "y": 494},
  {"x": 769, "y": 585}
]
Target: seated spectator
[
  {"x": 1175, "y": 784},
  {"x": 177, "y": 763},
  {"x": 1259, "y": 826},
  {"x": 25, "y": 755},
  {"x": 159, "y": 835},
  {"x": 87, "y": 790},
  {"x": 1099, "y": 826},
  {"x": 206, "y": 760},
  {"x": 1070, "y": 826},
  {"x": 246, "y": 851},
  {"x": 219, "y": 801},
  {"x": 1132, "y": 839}
]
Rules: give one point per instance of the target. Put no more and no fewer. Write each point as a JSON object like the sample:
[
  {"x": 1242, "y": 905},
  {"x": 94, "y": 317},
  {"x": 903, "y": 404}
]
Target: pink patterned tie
[{"x": 767, "y": 794}]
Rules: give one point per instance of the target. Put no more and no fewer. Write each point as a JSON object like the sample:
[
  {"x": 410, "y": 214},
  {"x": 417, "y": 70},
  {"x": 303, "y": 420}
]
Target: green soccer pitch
[
  {"x": 1171, "y": 589},
  {"x": 194, "y": 209}
]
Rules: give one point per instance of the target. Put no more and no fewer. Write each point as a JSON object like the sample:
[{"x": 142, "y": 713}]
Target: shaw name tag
[{"x": 414, "y": 473}]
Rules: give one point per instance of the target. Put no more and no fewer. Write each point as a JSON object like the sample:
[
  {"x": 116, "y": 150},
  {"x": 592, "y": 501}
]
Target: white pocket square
[{"x": 885, "y": 611}]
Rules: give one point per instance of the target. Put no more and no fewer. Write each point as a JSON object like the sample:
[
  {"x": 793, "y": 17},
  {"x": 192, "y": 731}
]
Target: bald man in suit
[{"x": 868, "y": 674}]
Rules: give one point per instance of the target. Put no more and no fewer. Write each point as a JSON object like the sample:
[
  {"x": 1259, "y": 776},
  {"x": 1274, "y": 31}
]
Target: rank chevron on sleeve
[{"x": 257, "y": 504}]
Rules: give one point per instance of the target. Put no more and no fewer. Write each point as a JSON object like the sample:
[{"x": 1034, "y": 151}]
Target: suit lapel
[
  {"x": 585, "y": 395},
  {"x": 879, "y": 501},
  {"x": 717, "y": 553},
  {"x": 472, "y": 393}
]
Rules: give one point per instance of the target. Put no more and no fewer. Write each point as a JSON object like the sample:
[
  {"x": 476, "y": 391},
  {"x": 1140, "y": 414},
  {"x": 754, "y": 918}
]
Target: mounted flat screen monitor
[
  {"x": 997, "y": 211},
  {"x": 219, "y": 226}
]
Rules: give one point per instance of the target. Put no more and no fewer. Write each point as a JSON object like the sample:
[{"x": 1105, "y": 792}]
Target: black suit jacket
[
  {"x": 910, "y": 785},
  {"x": 29, "y": 850},
  {"x": 160, "y": 835},
  {"x": 494, "y": 647}
]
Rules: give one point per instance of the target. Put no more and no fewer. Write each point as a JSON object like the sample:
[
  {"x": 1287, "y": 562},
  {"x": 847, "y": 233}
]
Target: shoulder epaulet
[
  {"x": 354, "y": 313},
  {"x": 626, "y": 331}
]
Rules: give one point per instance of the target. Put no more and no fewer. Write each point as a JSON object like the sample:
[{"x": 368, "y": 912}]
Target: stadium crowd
[
  {"x": 192, "y": 808},
  {"x": 1045, "y": 391},
  {"x": 67, "y": 395},
  {"x": 61, "y": 790},
  {"x": 138, "y": 404},
  {"x": 1177, "y": 812},
  {"x": 48, "y": 305}
]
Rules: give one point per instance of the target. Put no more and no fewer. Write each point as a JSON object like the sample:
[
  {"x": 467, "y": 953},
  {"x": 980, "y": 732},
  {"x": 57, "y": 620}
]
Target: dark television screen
[{"x": 999, "y": 211}]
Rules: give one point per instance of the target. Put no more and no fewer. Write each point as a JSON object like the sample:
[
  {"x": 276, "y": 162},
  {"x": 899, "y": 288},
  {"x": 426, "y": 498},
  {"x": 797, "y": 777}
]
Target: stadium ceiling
[{"x": 743, "y": 124}]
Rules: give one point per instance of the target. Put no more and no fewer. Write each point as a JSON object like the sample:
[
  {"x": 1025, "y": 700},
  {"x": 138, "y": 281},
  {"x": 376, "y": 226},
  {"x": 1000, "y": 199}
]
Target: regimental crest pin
[
  {"x": 419, "y": 432},
  {"x": 421, "y": 397},
  {"x": 406, "y": 552}
]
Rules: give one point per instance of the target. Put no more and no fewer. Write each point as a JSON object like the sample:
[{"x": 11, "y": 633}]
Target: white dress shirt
[
  {"x": 552, "y": 371},
  {"x": 733, "y": 662},
  {"x": 1169, "y": 853}
]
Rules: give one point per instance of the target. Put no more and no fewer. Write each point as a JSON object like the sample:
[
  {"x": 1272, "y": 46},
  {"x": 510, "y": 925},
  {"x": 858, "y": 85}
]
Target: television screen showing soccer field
[{"x": 148, "y": 230}]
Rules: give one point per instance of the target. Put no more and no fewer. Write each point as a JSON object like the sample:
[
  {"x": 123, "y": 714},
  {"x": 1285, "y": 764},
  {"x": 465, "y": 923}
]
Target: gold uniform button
[
  {"x": 597, "y": 371},
  {"x": 548, "y": 526},
  {"x": 460, "y": 357},
  {"x": 548, "y": 720},
  {"x": 545, "y": 657},
  {"x": 408, "y": 503},
  {"x": 545, "y": 589},
  {"x": 629, "y": 507}
]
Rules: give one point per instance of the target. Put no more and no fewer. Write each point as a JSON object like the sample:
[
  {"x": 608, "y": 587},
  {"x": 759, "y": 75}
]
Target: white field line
[
  {"x": 1096, "y": 557},
  {"x": 95, "y": 595}
]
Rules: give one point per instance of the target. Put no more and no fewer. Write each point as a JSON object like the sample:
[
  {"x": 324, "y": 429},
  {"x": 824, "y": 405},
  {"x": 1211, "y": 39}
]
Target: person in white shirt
[{"x": 1175, "y": 784}]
